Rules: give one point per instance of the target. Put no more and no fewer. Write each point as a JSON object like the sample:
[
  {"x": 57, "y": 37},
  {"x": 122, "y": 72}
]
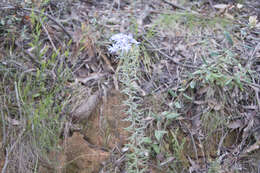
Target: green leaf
[
  {"x": 204, "y": 60},
  {"x": 177, "y": 105},
  {"x": 181, "y": 89},
  {"x": 228, "y": 82},
  {"x": 228, "y": 37},
  {"x": 146, "y": 140},
  {"x": 187, "y": 97},
  {"x": 172, "y": 93},
  {"x": 197, "y": 72},
  {"x": 159, "y": 134},
  {"x": 156, "y": 148},
  {"x": 170, "y": 115},
  {"x": 36, "y": 95}
]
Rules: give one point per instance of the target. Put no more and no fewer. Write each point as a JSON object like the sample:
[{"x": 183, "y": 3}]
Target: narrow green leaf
[
  {"x": 177, "y": 105},
  {"x": 172, "y": 115},
  {"x": 187, "y": 97},
  {"x": 159, "y": 134},
  {"x": 156, "y": 148},
  {"x": 228, "y": 37}
]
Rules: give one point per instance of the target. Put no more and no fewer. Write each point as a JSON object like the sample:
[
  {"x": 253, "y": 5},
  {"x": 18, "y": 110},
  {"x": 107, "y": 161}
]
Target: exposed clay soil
[{"x": 86, "y": 151}]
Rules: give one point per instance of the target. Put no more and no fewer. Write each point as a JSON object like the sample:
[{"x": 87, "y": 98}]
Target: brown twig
[
  {"x": 3, "y": 127},
  {"x": 192, "y": 140},
  {"x": 169, "y": 57},
  {"x": 178, "y": 6},
  {"x": 49, "y": 37},
  {"x": 36, "y": 62},
  {"x": 10, "y": 150},
  {"x": 51, "y": 18},
  {"x": 251, "y": 58}
]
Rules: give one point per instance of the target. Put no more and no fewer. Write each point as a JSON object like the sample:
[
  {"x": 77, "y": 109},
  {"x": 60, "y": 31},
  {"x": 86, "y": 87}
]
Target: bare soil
[{"x": 86, "y": 151}]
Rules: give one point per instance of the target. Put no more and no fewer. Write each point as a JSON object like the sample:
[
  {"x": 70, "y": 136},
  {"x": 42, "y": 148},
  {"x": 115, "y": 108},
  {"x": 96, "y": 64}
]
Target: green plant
[
  {"x": 128, "y": 73},
  {"x": 178, "y": 150},
  {"x": 214, "y": 167},
  {"x": 186, "y": 20},
  {"x": 33, "y": 90}
]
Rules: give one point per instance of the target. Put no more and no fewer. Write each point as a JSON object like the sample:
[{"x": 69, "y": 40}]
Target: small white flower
[
  {"x": 253, "y": 21},
  {"x": 239, "y": 6},
  {"x": 121, "y": 42}
]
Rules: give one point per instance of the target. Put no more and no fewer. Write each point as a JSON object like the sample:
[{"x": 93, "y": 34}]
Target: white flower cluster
[{"x": 121, "y": 42}]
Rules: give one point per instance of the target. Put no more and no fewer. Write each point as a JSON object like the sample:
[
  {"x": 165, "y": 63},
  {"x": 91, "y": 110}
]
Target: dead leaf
[
  {"x": 104, "y": 57},
  {"x": 248, "y": 128},
  {"x": 199, "y": 102},
  {"x": 235, "y": 124},
  {"x": 253, "y": 147},
  {"x": 169, "y": 160},
  {"x": 215, "y": 105},
  {"x": 221, "y": 6},
  {"x": 203, "y": 90},
  {"x": 229, "y": 16},
  {"x": 13, "y": 121},
  {"x": 194, "y": 166},
  {"x": 93, "y": 76},
  {"x": 138, "y": 88}
]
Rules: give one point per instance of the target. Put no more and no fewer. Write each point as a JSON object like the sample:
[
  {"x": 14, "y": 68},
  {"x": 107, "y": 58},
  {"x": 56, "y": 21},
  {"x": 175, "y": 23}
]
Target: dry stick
[
  {"x": 249, "y": 64},
  {"x": 36, "y": 62},
  {"x": 251, "y": 58},
  {"x": 169, "y": 57},
  {"x": 221, "y": 143},
  {"x": 4, "y": 127},
  {"x": 202, "y": 151},
  {"x": 257, "y": 95},
  {"x": 193, "y": 142},
  {"x": 50, "y": 17},
  {"x": 246, "y": 82},
  {"x": 178, "y": 6},
  {"x": 195, "y": 67},
  {"x": 18, "y": 100},
  {"x": 49, "y": 37},
  {"x": 10, "y": 150},
  {"x": 252, "y": 84}
]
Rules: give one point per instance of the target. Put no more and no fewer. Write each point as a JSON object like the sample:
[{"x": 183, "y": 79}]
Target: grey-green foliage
[
  {"x": 32, "y": 95},
  {"x": 137, "y": 156}
]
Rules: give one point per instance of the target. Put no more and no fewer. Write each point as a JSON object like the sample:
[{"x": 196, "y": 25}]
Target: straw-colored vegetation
[{"x": 181, "y": 96}]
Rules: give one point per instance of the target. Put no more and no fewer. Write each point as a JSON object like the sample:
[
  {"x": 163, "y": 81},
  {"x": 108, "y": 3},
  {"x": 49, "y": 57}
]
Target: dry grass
[{"x": 190, "y": 87}]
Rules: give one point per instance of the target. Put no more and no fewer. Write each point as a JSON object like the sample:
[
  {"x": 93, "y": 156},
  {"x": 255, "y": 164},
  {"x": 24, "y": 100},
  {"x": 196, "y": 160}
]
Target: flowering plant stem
[{"x": 137, "y": 157}]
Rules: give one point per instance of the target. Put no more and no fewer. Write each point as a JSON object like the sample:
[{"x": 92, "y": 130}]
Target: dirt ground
[
  {"x": 86, "y": 151},
  {"x": 101, "y": 141}
]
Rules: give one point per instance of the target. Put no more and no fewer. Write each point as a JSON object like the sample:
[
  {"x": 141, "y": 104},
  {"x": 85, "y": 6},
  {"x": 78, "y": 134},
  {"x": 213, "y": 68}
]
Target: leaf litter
[{"x": 205, "y": 110}]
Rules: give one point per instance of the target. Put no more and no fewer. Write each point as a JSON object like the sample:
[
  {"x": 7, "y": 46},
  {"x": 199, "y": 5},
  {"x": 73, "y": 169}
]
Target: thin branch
[
  {"x": 51, "y": 18},
  {"x": 4, "y": 127},
  {"x": 169, "y": 57},
  {"x": 30, "y": 56},
  {"x": 252, "y": 58},
  {"x": 178, "y": 6},
  {"x": 10, "y": 150},
  {"x": 18, "y": 100},
  {"x": 49, "y": 37}
]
